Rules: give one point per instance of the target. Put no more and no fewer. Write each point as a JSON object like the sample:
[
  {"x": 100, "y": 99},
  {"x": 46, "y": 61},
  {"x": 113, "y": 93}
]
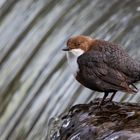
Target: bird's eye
[{"x": 78, "y": 44}]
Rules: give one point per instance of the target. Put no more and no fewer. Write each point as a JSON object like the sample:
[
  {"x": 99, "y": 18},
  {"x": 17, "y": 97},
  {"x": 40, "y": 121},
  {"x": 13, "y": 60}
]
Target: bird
[{"x": 102, "y": 66}]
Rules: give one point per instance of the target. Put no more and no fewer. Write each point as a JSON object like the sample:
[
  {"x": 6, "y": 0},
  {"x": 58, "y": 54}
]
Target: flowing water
[{"x": 35, "y": 81}]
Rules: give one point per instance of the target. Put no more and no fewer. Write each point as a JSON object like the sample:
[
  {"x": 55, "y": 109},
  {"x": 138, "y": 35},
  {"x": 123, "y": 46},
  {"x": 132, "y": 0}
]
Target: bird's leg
[
  {"x": 104, "y": 97},
  {"x": 112, "y": 96}
]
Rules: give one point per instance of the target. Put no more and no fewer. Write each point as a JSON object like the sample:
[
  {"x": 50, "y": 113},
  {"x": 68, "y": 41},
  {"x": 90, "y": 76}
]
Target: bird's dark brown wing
[
  {"x": 96, "y": 63},
  {"x": 117, "y": 58}
]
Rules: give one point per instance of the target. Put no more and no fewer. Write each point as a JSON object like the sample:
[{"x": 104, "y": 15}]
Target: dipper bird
[{"x": 102, "y": 65}]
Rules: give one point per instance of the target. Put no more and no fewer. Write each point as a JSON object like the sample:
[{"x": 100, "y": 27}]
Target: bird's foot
[{"x": 105, "y": 102}]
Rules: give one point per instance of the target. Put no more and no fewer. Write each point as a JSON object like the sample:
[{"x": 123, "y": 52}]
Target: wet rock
[{"x": 113, "y": 121}]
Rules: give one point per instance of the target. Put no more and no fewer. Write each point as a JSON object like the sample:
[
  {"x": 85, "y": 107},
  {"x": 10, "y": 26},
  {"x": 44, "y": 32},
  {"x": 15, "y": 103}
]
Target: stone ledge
[{"x": 113, "y": 121}]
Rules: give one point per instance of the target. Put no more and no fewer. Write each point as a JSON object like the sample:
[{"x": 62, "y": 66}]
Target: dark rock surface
[{"x": 113, "y": 121}]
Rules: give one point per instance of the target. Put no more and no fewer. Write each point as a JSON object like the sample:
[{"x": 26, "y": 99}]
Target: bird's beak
[{"x": 66, "y": 49}]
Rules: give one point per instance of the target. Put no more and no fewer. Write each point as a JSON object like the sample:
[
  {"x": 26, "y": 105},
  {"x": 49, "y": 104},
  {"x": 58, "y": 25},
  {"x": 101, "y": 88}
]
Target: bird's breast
[{"x": 72, "y": 61}]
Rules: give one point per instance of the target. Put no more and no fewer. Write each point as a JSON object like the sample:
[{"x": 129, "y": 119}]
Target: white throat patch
[
  {"x": 77, "y": 52},
  {"x": 72, "y": 56}
]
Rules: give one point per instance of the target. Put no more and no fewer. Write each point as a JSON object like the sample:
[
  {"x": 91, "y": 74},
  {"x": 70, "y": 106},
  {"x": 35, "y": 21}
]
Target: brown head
[{"x": 79, "y": 42}]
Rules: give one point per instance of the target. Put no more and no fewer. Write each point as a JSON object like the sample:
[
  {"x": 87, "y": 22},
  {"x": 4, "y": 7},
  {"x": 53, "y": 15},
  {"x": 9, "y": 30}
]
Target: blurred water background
[{"x": 35, "y": 81}]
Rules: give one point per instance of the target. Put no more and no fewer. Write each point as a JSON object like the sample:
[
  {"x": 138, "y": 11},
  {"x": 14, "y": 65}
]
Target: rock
[{"x": 113, "y": 121}]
